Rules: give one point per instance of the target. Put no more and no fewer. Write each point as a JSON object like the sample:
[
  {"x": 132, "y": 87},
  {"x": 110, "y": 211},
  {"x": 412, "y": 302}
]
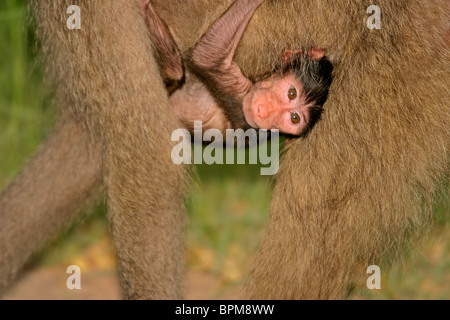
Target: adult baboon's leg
[
  {"x": 351, "y": 193},
  {"x": 47, "y": 195},
  {"x": 108, "y": 72}
]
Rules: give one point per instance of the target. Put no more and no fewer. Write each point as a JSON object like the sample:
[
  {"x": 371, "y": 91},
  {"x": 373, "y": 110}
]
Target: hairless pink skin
[{"x": 268, "y": 106}]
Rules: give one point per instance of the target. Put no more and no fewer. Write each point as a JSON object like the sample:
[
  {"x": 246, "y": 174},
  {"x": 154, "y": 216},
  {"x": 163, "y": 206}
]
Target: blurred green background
[{"x": 227, "y": 208}]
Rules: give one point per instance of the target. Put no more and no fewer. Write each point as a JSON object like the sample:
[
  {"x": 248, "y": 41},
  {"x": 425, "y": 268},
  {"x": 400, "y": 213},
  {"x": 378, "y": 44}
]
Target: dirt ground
[
  {"x": 97, "y": 284},
  {"x": 424, "y": 275}
]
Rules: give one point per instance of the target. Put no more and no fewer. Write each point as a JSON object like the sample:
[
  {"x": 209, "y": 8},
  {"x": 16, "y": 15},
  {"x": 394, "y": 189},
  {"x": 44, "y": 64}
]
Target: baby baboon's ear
[
  {"x": 288, "y": 55},
  {"x": 316, "y": 53}
]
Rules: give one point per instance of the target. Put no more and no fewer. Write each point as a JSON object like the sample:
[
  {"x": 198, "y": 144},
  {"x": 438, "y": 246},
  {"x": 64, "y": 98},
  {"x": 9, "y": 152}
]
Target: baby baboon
[{"x": 290, "y": 99}]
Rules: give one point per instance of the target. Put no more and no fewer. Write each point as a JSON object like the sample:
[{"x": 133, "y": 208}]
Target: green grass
[
  {"x": 227, "y": 209},
  {"x": 25, "y": 116}
]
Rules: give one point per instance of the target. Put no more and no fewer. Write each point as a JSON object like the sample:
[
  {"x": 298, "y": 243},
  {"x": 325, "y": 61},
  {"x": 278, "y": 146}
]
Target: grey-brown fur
[{"x": 62, "y": 178}]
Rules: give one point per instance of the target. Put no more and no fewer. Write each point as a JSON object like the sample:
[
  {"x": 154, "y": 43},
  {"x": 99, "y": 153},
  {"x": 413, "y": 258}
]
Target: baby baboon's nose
[{"x": 264, "y": 112}]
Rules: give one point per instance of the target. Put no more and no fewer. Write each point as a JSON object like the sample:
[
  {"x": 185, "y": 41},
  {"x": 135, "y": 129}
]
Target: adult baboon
[{"x": 344, "y": 197}]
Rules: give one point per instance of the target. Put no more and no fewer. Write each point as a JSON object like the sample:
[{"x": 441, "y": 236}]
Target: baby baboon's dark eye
[
  {"x": 295, "y": 118},
  {"x": 292, "y": 94}
]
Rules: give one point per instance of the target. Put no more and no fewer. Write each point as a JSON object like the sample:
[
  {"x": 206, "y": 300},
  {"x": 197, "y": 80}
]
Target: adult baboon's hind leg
[
  {"x": 47, "y": 195},
  {"x": 350, "y": 194},
  {"x": 108, "y": 70}
]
